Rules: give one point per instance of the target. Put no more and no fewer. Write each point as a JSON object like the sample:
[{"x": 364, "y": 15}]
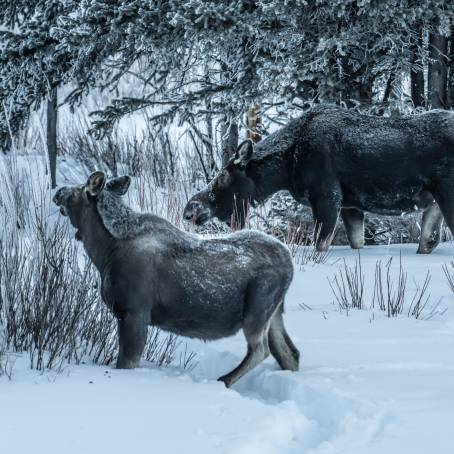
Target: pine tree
[{"x": 219, "y": 58}]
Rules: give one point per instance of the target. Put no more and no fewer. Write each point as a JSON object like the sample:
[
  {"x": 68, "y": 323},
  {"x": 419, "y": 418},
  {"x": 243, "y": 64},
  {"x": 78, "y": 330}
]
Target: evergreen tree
[{"x": 220, "y": 58}]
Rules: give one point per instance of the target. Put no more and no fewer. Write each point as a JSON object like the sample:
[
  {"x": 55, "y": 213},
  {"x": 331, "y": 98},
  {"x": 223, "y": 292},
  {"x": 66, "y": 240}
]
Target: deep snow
[{"x": 367, "y": 384}]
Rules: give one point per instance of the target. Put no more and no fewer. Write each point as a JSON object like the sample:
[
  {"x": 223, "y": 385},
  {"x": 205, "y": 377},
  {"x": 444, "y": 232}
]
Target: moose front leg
[
  {"x": 325, "y": 208},
  {"x": 132, "y": 331},
  {"x": 354, "y": 226}
]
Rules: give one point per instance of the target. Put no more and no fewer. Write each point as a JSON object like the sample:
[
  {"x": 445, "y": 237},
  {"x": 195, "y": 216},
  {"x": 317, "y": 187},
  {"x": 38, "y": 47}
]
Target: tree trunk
[
  {"x": 52, "y": 135},
  {"x": 229, "y": 140},
  {"x": 437, "y": 76},
  {"x": 209, "y": 144},
  {"x": 388, "y": 88},
  {"x": 253, "y": 122},
  {"x": 417, "y": 74},
  {"x": 451, "y": 72}
]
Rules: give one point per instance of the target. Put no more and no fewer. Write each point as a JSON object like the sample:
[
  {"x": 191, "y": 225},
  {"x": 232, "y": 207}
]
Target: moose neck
[
  {"x": 270, "y": 174},
  {"x": 97, "y": 241},
  {"x": 272, "y": 165}
]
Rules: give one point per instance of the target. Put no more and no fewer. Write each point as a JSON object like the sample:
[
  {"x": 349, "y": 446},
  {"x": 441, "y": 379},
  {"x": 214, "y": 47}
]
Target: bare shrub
[
  {"x": 50, "y": 305},
  {"x": 93, "y": 154},
  {"x": 419, "y": 307},
  {"x": 389, "y": 296},
  {"x": 15, "y": 200},
  {"x": 168, "y": 201},
  {"x": 303, "y": 246},
  {"x": 187, "y": 359},
  {"x": 161, "y": 351},
  {"x": 304, "y": 307},
  {"x": 448, "y": 269},
  {"x": 390, "y": 293},
  {"x": 2, "y": 350},
  {"x": 50, "y": 300},
  {"x": 6, "y": 364},
  {"x": 2, "y": 335},
  {"x": 152, "y": 151},
  {"x": 348, "y": 286}
]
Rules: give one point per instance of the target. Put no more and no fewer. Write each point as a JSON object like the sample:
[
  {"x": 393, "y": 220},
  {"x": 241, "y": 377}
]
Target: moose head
[
  {"x": 228, "y": 195},
  {"x": 78, "y": 202}
]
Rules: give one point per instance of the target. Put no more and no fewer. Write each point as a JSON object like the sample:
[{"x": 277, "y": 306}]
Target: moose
[
  {"x": 153, "y": 273},
  {"x": 343, "y": 163}
]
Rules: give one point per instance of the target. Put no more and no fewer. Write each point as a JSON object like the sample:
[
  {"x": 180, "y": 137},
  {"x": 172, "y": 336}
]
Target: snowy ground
[{"x": 367, "y": 384}]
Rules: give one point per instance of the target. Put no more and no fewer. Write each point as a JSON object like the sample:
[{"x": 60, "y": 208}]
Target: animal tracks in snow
[{"x": 311, "y": 413}]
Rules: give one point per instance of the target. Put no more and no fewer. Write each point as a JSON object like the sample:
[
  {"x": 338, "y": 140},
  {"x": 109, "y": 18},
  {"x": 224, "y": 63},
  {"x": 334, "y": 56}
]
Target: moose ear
[
  {"x": 95, "y": 183},
  {"x": 244, "y": 152},
  {"x": 119, "y": 185}
]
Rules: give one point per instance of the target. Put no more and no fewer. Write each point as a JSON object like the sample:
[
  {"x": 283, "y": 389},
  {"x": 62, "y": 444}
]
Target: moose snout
[
  {"x": 58, "y": 197},
  {"x": 196, "y": 212},
  {"x": 190, "y": 211}
]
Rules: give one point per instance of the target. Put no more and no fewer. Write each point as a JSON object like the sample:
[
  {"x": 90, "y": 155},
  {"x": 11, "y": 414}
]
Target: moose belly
[
  {"x": 393, "y": 201},
  {"x": 200, "y": 317}
]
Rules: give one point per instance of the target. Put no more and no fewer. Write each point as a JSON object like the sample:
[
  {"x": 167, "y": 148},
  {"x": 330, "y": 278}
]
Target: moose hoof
[
  {"x": 426, "y": 249},
  {"x": 124, "y": 364},
  {"x": 226, "y": 380}
]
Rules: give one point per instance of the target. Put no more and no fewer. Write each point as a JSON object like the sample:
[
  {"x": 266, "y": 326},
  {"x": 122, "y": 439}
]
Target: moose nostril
[{"x": 57, "y": 196}]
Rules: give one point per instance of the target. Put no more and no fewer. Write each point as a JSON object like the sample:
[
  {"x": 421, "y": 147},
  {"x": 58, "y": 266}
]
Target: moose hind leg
[
  {"x": 132, "y": 331},
  {"x": 257, "y": 351},
  {"x": 444, "y": 197},
  {"x": 281, "y": 346},
  {"x": 430, "y": 229},
  {"x": 354, "y": 226}
]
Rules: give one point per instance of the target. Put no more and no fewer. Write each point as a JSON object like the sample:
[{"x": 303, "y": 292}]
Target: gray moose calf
[{"x": 152, "y": 273}]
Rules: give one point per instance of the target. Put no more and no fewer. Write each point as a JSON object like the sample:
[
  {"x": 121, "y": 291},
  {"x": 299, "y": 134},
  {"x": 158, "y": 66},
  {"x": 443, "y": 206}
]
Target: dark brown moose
[{"x": 343, "y": 163}]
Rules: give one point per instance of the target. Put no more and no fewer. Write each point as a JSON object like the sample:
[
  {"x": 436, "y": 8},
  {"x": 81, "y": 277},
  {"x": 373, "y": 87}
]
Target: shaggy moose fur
[
  {"x": 152, "y": 273},
  {"x": 342, "y": 162}
]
